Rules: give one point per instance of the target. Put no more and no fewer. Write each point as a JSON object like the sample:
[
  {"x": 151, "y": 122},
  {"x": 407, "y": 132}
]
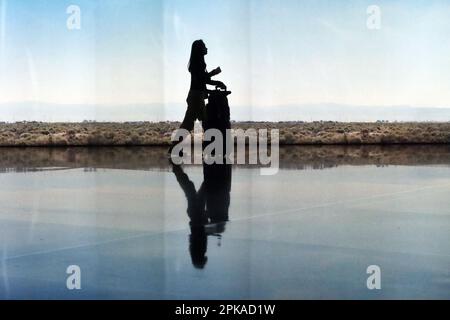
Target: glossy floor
[{"x": 309, "y": 231}]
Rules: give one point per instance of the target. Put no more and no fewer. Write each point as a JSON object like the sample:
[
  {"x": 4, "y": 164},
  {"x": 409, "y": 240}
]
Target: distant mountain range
[{"x": 33, "y": 111}]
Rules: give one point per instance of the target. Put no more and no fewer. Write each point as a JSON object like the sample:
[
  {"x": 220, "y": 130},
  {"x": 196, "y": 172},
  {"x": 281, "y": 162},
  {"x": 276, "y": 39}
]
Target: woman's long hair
[{"x": 197, "y": 59}]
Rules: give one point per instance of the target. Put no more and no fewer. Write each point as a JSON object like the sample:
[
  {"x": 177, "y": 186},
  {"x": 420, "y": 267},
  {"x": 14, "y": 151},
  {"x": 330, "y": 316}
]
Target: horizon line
[{"x": 306, "y": 104}]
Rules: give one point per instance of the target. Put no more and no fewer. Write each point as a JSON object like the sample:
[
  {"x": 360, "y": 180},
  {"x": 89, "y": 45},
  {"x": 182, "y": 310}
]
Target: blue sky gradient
[{"x": 272, "y": 53}]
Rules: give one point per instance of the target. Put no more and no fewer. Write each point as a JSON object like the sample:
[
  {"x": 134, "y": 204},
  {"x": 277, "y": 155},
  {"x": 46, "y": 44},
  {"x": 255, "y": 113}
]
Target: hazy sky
[{"x": 272, "y": 53}]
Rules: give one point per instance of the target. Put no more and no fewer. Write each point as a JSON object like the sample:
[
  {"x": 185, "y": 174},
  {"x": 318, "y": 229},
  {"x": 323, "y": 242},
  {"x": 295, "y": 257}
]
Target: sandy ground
[{"x": 148, "y": 133}]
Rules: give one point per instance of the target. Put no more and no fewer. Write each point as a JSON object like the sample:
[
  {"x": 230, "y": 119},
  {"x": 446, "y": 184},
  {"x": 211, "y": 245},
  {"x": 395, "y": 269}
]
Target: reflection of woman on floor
[{"x": 207, "y": 208}]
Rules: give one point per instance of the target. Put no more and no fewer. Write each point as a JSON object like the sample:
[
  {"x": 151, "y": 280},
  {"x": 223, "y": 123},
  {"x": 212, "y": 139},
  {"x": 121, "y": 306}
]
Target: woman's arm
[
  {"x": 219, "y": 84},
  {"x": 216, "y": 83},
  {"x": 205, "y": 77},
  {"x": 215, "y": 72}
]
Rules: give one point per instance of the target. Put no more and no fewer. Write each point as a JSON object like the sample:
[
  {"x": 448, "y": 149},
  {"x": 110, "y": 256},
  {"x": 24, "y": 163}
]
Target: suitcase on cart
[
  {"x": 217, "y": 110},
  {"x": 218, "y": 114}
]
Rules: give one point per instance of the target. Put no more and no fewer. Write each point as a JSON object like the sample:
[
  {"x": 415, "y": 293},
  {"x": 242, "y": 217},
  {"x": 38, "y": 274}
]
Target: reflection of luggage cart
[{"x": 218, "y": 114}]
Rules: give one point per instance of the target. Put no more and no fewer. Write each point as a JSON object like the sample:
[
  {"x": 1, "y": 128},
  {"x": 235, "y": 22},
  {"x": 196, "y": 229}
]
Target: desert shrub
[
  {"x": 288, "y": 138},
  {"x": 135, "y": 139},
  {"x": 109, "y": 135},
  {"x": 94, "y": 139}
]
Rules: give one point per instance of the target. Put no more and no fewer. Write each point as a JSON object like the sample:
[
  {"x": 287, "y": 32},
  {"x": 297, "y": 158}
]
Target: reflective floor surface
[{"x": 140, "y": 229}]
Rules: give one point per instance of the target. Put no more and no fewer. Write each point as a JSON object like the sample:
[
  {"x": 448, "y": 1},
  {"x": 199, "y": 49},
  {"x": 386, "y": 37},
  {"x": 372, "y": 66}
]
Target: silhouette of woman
[{"x": 200, "y": 77}]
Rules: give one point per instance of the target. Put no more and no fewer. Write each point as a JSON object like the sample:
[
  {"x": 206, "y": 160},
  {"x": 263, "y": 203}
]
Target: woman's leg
[
  {"x": 195, "y": 110},
  {"x": 189, "y": 119}
]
